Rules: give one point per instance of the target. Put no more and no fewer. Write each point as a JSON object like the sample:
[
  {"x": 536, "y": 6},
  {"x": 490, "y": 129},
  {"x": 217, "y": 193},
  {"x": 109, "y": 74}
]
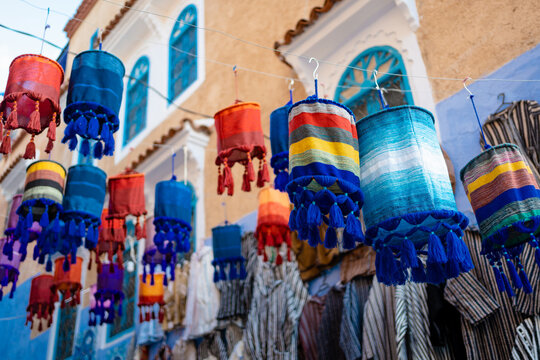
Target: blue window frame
[
  {"x": 183, "y": 52},
  {"x": 356, "y": 87},
  {"x": 137, "y": 99}
]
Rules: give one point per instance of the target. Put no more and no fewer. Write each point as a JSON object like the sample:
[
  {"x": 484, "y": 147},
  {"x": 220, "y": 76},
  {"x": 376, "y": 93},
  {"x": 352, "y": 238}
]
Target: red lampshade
[
  {"x": 68, "y": 283},
  {"x": 41, "y": 304},
  {"x": 112, "y": 235}
]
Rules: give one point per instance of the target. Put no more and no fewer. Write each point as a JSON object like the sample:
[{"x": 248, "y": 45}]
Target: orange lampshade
[
  {"x": 68, "y": 283},
  {"x": 273, "y": 222},
  {"x": 151, "y": 293}
]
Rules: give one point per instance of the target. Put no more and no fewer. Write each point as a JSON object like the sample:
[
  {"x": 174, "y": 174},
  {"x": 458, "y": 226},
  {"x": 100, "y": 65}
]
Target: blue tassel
[
  {"x": 336, "y": 216},
  {"x": 69, "y": 131},
  {"x": 330, "y": 239},
  {"x": 243, "y": 272},
  {"x": 44, "y": 221},
  {"x": 109, "y": 146},
  {"x": 314, "y": 238},
  {"x": 81, "y": 125},
  {"x": 93, "y": 128},
  {"x": 282, "y": 178},
  {"x": 165, "y": 281},
  {"x": 400, "y": 275},
  {"x": 418, "y": 274},
  {"x": 498, "y": 279},
  {"x": 292, "y": 220},
  {"x": 105, "y": 132},
  {"x": 301, "y": 217},
  {"x": 72, "y": 228},
  {"x": 314, "y": 216},
  {"x": 65, "y": 265},
  {"x": 187, "y": 245},
  {"x": 222, "y": 274},
  {"x": 537, "y": 256},
  {"x": 29, "y": 219},
  {"x": 152, "y": 279},
  {"x": 85, "y": 148},
  {"x": 379, "y": 268},
  {"x": 98, "y": 150},
  {"x": 35, "y": 255},
  {"x": 389, "y": 266},
  {"x": 349, "y": 242},
  {"x": 82, "y": 229},
  {"x": 73, "y": 143},
  {"x": 216, "y": 273},
  {"x": 453, "y": 250},
  {"x": 507, "y": 286},
  {"x": 527, "y": 288},
  {"x": 408, "y": 254},
  {"x": 435, "y": 273},
  {"x": 436, "y": 253},
  {"x": 56, "y": 225},
  {"x": 513, "y": 273},
  {"x": 452, "y": 268},
  {"x": 232, "y": 270},
  {"x": 353, "y": 227}
]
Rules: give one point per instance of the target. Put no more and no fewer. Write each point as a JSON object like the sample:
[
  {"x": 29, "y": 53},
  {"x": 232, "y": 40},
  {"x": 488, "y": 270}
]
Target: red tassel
[
  {"x": 40, "y": 327},
  {"x": 249, "y": 167},
  {"x": 49, "y": 147},
  {"x": 246, "y": 184},
  {"x": 120, "y": 258},
  {"x": 278, "y": 238},
  {"x": 269, "y": 239},
  {"x": 1, "y": 122},
  {"x": 140, "y": 315},
  {"x": 265, "y": 172},
  {"x": 138, "y": 230},
  {"x": 51, "y": 133},
  {"x": 144, "y": 228},
  {"x": 227, "y": 176},
  {"x": 147, "y": 317},
  {"x": 220, "y": 186},
  {"x": 161, "y": 315},
  {"x": 30, "y": 151},
  {"x": 279, "y": 259},
  {"x": 12, "y": 121},
  {"x": 34, "y": 125},
  {"x": 5, "y": 148},
  {"x": 153, "y": 315}
]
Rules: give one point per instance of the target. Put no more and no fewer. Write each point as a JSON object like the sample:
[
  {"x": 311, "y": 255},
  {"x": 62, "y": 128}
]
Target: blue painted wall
[{"x": 459, "y": 130}]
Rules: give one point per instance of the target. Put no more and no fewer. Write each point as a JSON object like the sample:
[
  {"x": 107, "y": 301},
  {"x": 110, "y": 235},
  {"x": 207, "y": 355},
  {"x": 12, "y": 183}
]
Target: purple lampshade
[
  {"x": 110, "y": 280},
  {"x": 108, "y": 295},
  {"x": 13, "y": 217},
  {"x": 9, "y": 267}
]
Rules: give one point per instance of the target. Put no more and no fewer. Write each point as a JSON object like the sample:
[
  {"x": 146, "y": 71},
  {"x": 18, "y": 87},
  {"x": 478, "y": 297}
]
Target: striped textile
[
  {"x": 309, "y": 325},
  {"x": 501, "y": 188},
  {"x": 402, "y": 167},
  {"x": 323, "y": 141},
  {"x": 527, "y": 345},
  {"x": 44, "y": 180},
  {"x": 85, "y": 190},
  {"x": 488, "y": 319},
  {"x": 328, "y": 334},
  {"x": 379, "y": 333}
]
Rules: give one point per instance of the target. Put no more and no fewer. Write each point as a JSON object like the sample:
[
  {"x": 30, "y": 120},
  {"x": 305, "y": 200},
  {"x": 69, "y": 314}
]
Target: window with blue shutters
[
  {"x": 356, "y": 88},
  {"x": 136, "y": 99},
  {"x": 183, "y": 52}
]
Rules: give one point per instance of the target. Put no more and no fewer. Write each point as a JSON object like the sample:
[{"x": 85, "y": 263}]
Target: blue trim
[
  {"x": 507, "y": 197},
  {"x": 184, "y": 38},
  {"x": 381, "y": 55},
  {"x": 71, "y": 111},
  {"x": 137, "y": 94}
]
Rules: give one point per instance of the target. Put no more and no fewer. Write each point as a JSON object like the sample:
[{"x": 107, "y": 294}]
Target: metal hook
[
  {"x": 375, "y": 72},
  {"x": 465, "y": 85},
  {"x": 315, "y": 72},
  {"x": 291, "y": 84}
]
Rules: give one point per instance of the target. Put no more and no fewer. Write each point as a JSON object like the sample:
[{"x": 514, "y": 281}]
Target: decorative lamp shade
[
  {"x": 112, "y": 236},
  {"x": 409, "y": 200},
  {"x": 172, "y": 217},
  {"x": 229, "y": 264},
  {"x": 83, "y": 204},
  {"x": 41, "y": 201},
  {"x": 13, "y": 232},
  {"x": 279, "y": 142},
  {"x": 126, "y": 197},
  {"x": 505, "y": 198},
  {"x": 239, "y": 140},
  {"x": 42, "y": 299},
  {"x": 153, "y": 257},
  {"x": 9, "y": 268},
  {"x": 273, "y": 222},
  {"x": 94, "y": 97},
  {"x": 151, "y": 294},
  {"x": 324, "y": 172},
  {"x": 31, "y": 101},
  {"x": 68, "y": 283},
  {"x": 108, "y": 295}
]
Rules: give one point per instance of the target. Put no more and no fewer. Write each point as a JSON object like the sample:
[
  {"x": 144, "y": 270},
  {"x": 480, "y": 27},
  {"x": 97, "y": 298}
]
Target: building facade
[{"x": 179, "y": 58}]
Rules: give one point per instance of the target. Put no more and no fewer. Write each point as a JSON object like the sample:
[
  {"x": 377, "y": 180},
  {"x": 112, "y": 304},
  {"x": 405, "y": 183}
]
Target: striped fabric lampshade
[
  {"x": 172, "y": 217},
  {"x": 279, "y": 142},
  {"x": 505, "y": 197},
  {"x": 111, "y": 240},
  {"x": 31, "y": 101},
  {"x": 41, "y": 201},
  {"x": 240, "y": 140},
  {"x": 273, "y": 224},
  {"x": 13, "y": 231},
  {"x": 227, "y": 246},
  {"x": 41, "y": 303},
  {"x": 409, "y": 203},
  {"x": 324, "y": 172},
  {"x": 108, "y": 295},
  {"x": 9, "y": 268},
  {"x": 68, "y": 282},
  {"x": 150, "y": 295},
  {"x": 94, "y": 96},
  {"x": 152, "y": 257}
]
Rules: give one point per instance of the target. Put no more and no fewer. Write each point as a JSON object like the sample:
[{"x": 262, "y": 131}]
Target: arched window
[
  {"x": 183, "y": 52},
  {"x": 356, "y": 87},
  {"x": 137, "y": 99}
]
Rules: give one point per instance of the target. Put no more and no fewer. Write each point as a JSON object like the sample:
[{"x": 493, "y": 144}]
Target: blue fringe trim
[
  {"x": 106, "y": 313},
  {"x": 280, "y": 164},
  {"x": 397, "y": 256},
  {"x": 231, "y": 268},
  {"x": 172, "y": 235}
]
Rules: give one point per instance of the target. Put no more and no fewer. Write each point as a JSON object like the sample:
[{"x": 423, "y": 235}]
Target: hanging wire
[
  {"x": 471, "y": 97},
  {"x": 45, "y": 27}
]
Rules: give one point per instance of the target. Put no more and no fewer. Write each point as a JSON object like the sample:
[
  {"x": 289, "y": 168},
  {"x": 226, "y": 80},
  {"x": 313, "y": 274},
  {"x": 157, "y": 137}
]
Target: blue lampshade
[
  {"x": 409, "y": 201},
  {"x": 228, "y": 260},
  {"x": 279, "y": 142}
]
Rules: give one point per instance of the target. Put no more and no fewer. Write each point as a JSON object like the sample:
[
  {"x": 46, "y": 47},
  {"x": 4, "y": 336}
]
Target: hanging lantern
[
  {"x": 83, "y": 204},
  {"x": 239, "y": 140},
  {"x": 279, "y": 141},
  {"x": 229, "y": 264},
  {"x": 42, "y": 299},
  {"x": 126, "y": 197},
  {"x": 409, "y": 200},
  {"x": 172, "y": 217},
  {"x": 151, "y": 294},
  {"x": 504, "y": 195},
  {"x": 111, "y": 240},
  {"x": 31, "y": 101},
  {"x": 9, "y": 268},
  {"x": 324, "y": 172},
  {"x": 41, "y": 201},
  {"x": 12, "y": 232},
  {"x": 152, "y": 257},
  {"x": 273, "y": 223},
  {"x": 94, "y": 97},
  {"x": 108, "y": 295},
  {"x": 68, "y": 283}
]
